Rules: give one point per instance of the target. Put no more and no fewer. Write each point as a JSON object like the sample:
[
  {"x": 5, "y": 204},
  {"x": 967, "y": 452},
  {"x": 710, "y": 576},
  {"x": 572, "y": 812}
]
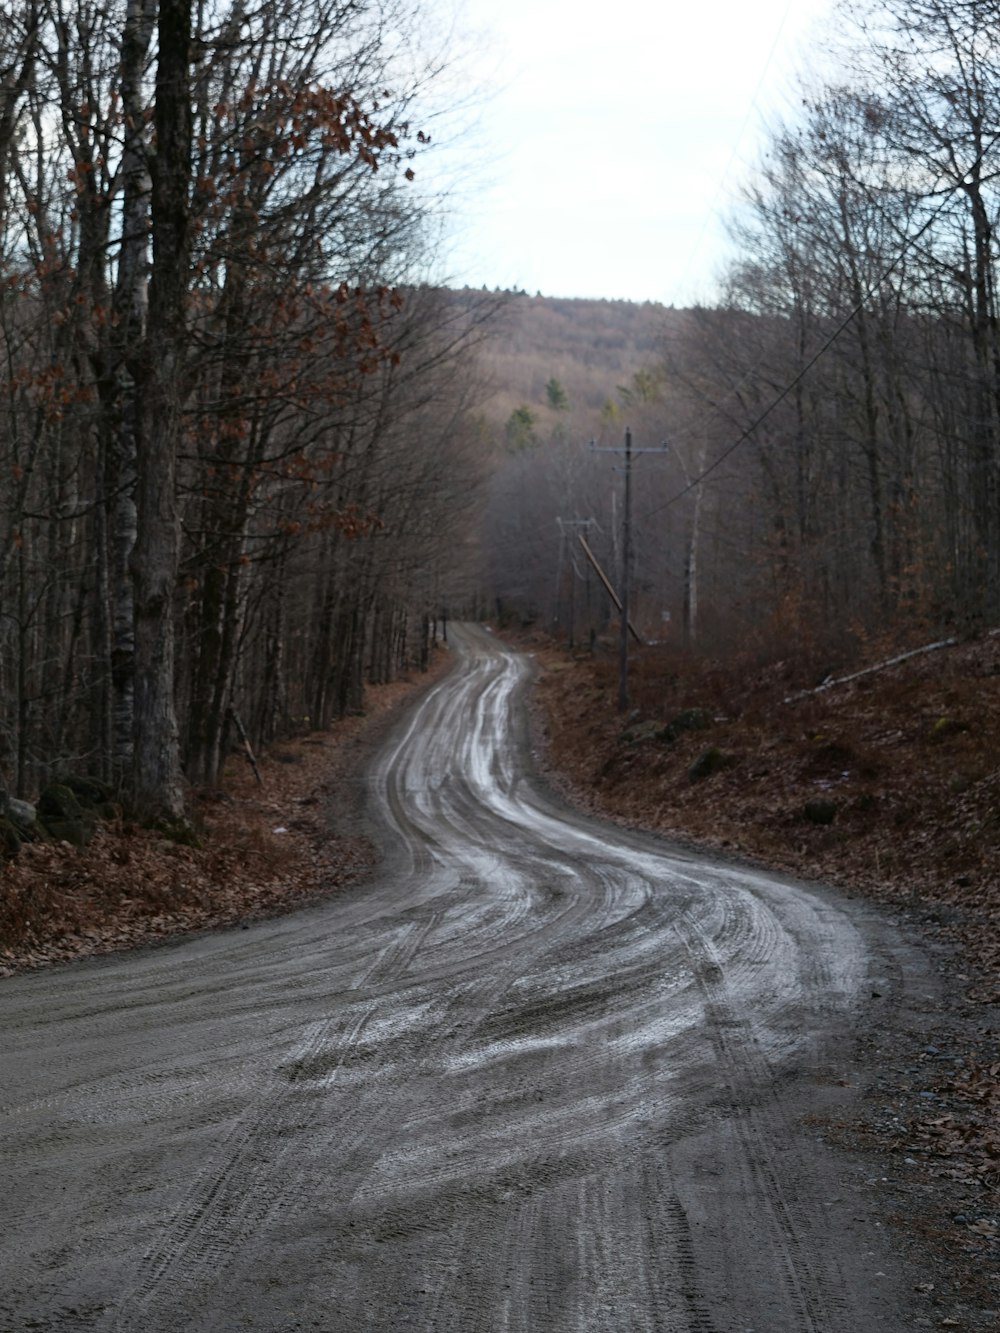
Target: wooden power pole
[
  {"x": 626, "y": 579},
  {"x": 626, "y": 562}
]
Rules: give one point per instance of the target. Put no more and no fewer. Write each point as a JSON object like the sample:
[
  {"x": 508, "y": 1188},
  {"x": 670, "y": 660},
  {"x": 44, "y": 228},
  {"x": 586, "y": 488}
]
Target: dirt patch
[{"x": 263, "y": 849}]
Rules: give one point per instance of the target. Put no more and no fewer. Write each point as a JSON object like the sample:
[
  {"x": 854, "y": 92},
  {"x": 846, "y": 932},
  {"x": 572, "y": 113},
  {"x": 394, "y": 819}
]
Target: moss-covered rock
[
  {"x": 10, "y": 840},
  {"x": 57, "y": 801},
  {"x": 176, "y": 831},
  {"x": 945, "y": 727},
  {"x": 63, "y": 818},
  {"x": 689, "y": 719},
  {"x": 820, "y": 811},
  {"x": 90, "y": 792},
  {"x": 77, "y": 831},
  {"x": 708, "y": 762},
  {"x": 639, "y": 732}
]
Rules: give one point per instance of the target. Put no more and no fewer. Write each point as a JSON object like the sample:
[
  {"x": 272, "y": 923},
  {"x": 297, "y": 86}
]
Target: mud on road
[{"x": 544, "y": 1074}]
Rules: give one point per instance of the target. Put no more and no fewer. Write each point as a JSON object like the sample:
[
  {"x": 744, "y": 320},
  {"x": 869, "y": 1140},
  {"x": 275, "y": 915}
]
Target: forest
[
  {"x": 252, "y": 453},
  {"x": 257, "y": 456},
  {"x": 832, "y": 424},
  {"x": 235, "y": 435}
]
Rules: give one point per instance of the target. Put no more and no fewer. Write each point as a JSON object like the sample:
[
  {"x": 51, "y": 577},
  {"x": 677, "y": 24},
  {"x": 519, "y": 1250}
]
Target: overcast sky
[{"x": 610, "y": 138}]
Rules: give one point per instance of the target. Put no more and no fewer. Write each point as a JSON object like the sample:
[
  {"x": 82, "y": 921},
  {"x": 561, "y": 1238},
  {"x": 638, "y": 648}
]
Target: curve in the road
[{"x": 544, "y": 1075}]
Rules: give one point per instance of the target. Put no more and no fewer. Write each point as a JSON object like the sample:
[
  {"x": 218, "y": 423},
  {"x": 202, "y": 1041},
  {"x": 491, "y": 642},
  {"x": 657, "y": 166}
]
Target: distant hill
[{"x": 587, "y": 347}]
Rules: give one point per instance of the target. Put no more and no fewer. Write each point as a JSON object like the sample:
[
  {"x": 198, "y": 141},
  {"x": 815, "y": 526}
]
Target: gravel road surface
[{"x": 543, "y": 1074}]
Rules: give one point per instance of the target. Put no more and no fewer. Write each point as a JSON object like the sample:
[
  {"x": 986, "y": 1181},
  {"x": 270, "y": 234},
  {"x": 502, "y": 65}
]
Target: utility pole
[
  {"x": 580, "y": 526},
  {"x": 626, "y": 578},
  {"x": 626, "y": 560}
]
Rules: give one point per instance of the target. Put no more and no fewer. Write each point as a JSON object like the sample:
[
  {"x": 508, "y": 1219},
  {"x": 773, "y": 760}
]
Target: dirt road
[{"x": 542, "y": 1075}]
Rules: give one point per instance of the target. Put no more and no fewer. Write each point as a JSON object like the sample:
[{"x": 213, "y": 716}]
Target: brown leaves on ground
[
  {"x": 263, "y": 850},
  {"x": 904, "y": 762},
  {"x": 967, "y": 1137}
]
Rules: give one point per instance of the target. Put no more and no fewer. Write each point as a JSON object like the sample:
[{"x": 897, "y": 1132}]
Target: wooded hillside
[
  {"x": 589, "y": 347},
  {"x": 244, "y": 445}
]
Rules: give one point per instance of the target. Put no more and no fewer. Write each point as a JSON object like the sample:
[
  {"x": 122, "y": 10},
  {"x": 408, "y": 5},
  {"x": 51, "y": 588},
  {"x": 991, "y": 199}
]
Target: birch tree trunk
[
  {"x": 130, "y": 301},
  {"x": 157, "y": 784}
]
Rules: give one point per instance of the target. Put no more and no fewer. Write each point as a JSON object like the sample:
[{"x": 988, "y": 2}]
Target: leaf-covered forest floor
[
  {"x": 905, "y": 764},
  {"x": 263, "y": 849}
]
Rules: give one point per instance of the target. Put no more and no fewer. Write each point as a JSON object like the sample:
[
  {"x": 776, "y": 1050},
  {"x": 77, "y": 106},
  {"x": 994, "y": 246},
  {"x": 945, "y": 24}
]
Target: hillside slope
[
  {"x": 888, "y": 783},
  {"x": 589, "y": 347}
]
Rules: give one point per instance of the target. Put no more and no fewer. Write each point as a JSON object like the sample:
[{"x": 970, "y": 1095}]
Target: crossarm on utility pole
[
  {"x": 607, "y": 583},
  {"x": 247, "y": 748}
]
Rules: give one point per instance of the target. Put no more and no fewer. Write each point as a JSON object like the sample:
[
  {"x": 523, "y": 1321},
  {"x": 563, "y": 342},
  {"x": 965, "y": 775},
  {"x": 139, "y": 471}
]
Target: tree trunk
[
  {"x": 130, "y": 321},
  {"x": 157, "y": 785}
]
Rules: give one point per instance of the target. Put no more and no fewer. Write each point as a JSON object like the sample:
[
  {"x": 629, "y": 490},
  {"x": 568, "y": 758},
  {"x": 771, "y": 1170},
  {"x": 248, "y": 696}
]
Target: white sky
[{"x": 609, "y": 139}]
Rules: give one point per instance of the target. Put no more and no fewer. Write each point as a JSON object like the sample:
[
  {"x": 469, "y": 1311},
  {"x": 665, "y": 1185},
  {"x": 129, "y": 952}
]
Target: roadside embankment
[{"x": 262, "y": 848}]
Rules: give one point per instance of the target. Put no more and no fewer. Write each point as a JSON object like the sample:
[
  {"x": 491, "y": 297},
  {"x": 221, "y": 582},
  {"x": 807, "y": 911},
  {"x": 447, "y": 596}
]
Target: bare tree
[{"x": 212, "y": 341}]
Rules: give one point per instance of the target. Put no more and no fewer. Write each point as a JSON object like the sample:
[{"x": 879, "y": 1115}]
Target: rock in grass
[
  {"x": 689, "y": 719},
  {"x": 820, "y": 811},
  {"x": 707, "y": 763}
]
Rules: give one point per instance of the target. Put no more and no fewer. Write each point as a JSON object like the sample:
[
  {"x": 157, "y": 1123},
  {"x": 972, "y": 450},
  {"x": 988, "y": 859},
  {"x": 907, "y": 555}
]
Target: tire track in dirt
[{"x": 234, "y": 1195}]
